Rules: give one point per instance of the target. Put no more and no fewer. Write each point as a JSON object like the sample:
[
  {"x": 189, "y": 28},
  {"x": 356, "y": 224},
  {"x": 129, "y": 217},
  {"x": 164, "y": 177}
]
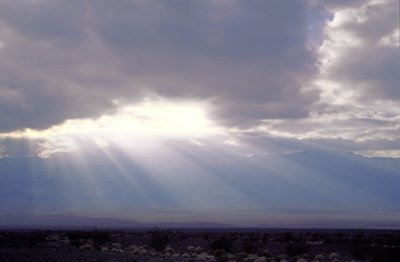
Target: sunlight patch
[{"x": 150, "y": 120}]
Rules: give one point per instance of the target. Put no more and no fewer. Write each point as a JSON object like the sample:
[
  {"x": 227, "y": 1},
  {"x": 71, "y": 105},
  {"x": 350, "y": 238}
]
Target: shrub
[
  {"x": 249, "y": 246},
  {"x": 296, "y": 248},
  {"x": 158, "y": 239},
  {"x": 223, "y": 243},
  {"x": 100, "y": 237}
]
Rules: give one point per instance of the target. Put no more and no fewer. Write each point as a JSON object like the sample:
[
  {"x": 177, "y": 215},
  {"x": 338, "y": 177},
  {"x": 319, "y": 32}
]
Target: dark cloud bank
[{"x": 70, "y": 59}]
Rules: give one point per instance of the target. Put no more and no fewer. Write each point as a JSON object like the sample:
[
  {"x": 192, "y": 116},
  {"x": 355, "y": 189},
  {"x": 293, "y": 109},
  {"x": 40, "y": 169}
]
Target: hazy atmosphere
[{"x": 278, "y": 113}]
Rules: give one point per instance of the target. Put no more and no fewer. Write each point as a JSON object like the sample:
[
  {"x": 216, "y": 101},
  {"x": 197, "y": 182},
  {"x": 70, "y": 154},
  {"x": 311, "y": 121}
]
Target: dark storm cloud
[
  {"x": 45, "y": 49},
  {"x": 249, "y": 55},
  {"x": 70, "y": 59},
  {"x": 45, "y": 20}
]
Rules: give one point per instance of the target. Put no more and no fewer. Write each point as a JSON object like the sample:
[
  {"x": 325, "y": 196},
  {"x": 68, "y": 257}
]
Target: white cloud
[
  {"x": 380, "y": 153},
  {"x": 231, "y": 141},
  {"x": 50, "y": 147},
  {"x": 196, "y": 142},
  {"x": 392, "y": 39},
  {"x": 353, "y": 104},
  {"x": 336, "y": 126},
  {"x": 3, "y": 152}
]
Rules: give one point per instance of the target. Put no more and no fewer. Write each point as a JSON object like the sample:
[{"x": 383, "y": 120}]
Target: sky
[{"x": 242, "y": 113}]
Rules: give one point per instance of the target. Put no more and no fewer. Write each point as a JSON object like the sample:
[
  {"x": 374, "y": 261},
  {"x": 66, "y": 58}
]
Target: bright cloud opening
[{"x": 149, "y": 120}]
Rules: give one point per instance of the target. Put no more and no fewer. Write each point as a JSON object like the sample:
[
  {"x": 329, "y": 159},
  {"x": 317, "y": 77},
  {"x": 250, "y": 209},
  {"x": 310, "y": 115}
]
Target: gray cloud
[
  {"x": 254, "y": 60},
  {"x": 370, "y": 67},
  {"x": 340, "y": 4},
  {"x": 250, "y": 56},
  {"x": 46, "y": 20},
  {"x": 64, "y": 59}
]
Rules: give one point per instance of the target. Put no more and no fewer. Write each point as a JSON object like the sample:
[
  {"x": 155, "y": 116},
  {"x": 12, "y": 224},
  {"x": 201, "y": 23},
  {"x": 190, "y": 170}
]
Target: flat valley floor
[{"x": 200, "y": 244}]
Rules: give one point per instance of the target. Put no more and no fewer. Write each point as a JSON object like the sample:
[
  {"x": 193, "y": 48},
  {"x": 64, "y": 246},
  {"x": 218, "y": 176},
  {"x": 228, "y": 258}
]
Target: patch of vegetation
[
  {"x": 98, "y": 236},
  {"x": 222, "y": 243},
  {"x": 249, "y": 246},
  {"x": 296, "y": 248},
  {"x": 23, "y": 239},
  {"x": 158, "y": 239}
]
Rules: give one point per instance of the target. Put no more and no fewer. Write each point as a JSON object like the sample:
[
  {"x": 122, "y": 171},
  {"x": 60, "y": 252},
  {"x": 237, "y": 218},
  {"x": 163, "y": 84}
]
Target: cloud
[
  {"x": 380, "y": 153},
  {"x": 358, "y": 126},
  {"x": 357, "y": 84},
  {"x": 64, "y": 60},
  {"x": 2, "y": 152},
  {"x": 47, "y": 149},
  {"x": 291, "y": 70},
  {"x": 355, "y": 56}
]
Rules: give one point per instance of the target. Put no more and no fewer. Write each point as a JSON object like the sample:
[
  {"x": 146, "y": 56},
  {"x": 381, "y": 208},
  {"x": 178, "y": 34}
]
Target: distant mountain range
[{"x": 201, "y": 186}]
